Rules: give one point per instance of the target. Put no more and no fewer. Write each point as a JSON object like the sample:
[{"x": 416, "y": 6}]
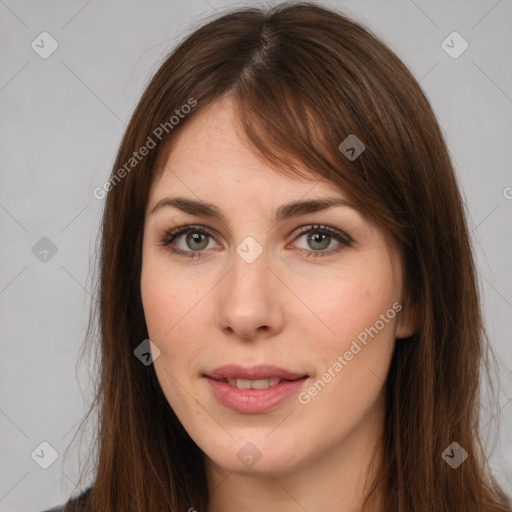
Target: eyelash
[{"x": 170, "y": 237}]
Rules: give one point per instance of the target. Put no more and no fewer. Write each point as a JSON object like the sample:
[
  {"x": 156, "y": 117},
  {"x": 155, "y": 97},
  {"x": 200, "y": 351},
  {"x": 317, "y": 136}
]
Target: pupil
[
  {"x": 321, "y": 238},
  {"x": 196, "y": 238}
]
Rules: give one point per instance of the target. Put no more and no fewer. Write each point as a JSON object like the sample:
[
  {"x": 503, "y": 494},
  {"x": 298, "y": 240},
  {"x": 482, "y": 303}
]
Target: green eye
[
  {"x": 197, "y": 239},
  {"x": 320, "y": 237}
]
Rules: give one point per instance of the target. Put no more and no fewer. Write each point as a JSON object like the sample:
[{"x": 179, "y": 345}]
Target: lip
[
  {"x": 253, "y": 401},
  {"x": 261, "y": 371}
]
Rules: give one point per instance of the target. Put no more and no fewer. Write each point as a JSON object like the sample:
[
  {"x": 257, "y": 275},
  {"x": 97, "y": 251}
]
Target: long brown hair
[{"x": 303, "y": 78}]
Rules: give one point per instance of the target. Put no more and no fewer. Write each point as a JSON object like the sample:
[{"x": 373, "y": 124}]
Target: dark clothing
[{"x": 75, "y": 505}]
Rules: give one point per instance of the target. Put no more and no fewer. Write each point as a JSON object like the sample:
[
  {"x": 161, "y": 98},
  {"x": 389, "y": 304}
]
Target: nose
[{"x": 249, "y": 304}]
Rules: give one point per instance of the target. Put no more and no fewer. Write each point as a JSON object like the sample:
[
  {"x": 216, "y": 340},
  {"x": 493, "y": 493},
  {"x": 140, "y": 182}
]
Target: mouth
[
  {"x": 253, "y": 377},
  {"x": 256, "y": 383},
  {"x": 253, "y": 389}
]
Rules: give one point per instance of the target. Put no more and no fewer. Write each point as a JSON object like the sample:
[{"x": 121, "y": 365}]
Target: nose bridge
[
  {"x": 248, "y": 299},
  {"x": 249, "y": 277}
]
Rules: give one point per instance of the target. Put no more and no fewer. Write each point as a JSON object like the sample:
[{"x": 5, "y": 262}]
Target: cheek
[
  {"x": 346, "y": 303},
  {"x": 165, "y": 311},
  {"x": 167, "y": 298},
  {"x": 175, "y": 307},
  {"x": 355, "y": 313},
  {"x": 353, "y": 358},
  {"x": 159, "y": 304}
]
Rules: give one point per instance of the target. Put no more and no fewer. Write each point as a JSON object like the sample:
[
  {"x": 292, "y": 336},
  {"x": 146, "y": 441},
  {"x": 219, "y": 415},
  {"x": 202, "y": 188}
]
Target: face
[{"x": 305, "y": 301}]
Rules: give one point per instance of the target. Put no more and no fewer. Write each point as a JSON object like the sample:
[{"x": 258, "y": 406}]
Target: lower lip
[{"x": 254, "y": 400}]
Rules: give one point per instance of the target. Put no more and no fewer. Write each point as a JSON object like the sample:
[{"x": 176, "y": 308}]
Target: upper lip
[{"x": 261, "y": 371}]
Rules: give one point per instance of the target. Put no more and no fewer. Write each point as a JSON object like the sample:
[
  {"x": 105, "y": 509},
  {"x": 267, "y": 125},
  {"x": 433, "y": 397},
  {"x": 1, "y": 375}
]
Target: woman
[{"x": 284, "y": 224}]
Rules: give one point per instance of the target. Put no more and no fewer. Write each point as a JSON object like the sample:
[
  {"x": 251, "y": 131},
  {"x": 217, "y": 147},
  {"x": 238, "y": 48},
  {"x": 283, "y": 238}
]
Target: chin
[{"x": 258, "y": 458}]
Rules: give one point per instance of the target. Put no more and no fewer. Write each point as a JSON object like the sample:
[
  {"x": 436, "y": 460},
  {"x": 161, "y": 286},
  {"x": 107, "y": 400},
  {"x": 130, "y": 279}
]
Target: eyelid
[
  {"x": 297, "y": 231},
  {"x": 321, "y": 227},
  {"x": 170, "y": 236}
]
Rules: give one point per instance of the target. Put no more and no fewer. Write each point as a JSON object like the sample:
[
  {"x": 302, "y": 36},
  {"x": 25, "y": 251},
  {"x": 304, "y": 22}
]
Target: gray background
[{"x": 61, "y": 123}]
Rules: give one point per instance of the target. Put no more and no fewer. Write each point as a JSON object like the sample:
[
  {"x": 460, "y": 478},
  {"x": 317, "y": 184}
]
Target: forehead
[{"x": 209, "y": 155}]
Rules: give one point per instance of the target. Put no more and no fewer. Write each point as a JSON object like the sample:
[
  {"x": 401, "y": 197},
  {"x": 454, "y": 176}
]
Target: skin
[{"x": 285, "y": 308}]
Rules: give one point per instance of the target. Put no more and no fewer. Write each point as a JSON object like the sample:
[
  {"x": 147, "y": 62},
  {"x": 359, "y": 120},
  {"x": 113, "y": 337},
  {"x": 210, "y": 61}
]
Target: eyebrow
[{"x": 286, "y": 211}]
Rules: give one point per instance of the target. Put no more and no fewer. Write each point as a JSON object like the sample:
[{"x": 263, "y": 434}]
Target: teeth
[{"x": 253, "y": 384}]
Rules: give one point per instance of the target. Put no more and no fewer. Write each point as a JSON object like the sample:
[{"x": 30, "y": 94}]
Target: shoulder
[{"x": 73, "y": 505}]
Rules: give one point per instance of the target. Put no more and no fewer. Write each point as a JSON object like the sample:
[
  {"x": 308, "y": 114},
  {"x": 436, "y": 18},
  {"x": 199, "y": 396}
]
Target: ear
[{"x": 407, "y": 321}]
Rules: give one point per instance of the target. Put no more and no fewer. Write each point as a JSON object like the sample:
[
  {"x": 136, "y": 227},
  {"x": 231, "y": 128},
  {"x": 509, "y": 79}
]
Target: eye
[
  {"x": 194, "y": 239},
  {"x": 318, "y": 238},
  {"x": 190, "y": 241}
]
